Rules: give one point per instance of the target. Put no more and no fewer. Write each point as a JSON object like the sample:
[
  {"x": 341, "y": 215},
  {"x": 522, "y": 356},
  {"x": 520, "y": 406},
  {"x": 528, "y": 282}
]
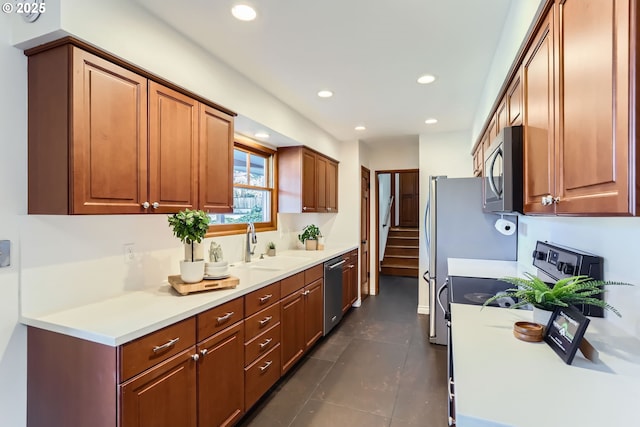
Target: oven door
[{"x": 494, "y": 178}]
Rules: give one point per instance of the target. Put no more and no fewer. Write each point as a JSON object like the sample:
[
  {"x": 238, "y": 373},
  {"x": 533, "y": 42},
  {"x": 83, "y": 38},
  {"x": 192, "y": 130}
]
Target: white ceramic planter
[{"x": 191, "y": 272}]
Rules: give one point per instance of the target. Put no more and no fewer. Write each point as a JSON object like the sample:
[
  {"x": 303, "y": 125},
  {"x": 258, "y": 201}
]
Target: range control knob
[
  {"x": 560, "y": 265},
  {"x": 539, "y": 255},
  {"x": 568, "y": 269}
]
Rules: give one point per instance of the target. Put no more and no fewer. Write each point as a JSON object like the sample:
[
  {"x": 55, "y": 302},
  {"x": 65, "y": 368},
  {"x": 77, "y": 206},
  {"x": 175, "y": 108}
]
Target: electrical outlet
[
  {"x": 129, "y": 253},
  {"x": 5, "y": 253}
]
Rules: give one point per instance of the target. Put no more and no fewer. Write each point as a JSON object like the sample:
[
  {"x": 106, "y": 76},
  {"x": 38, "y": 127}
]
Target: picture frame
[{"x": 565, "y": 331}]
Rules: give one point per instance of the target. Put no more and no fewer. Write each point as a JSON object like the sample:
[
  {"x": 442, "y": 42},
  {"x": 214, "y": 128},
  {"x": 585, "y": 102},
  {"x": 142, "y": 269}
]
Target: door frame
[
  {"x": 365, "y": 172},
  {"x": 377, "y": 219}
]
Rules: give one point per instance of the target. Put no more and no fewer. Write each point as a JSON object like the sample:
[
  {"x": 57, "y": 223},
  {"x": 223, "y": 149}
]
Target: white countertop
[
  {"x": 502, "y": 381},
  {"x": 123, "y": 318},
  {"x": 486, "y": 268}
]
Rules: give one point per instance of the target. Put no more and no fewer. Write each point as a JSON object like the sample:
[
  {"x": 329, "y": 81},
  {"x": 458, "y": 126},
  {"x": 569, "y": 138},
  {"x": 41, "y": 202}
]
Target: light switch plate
[{"x": 5, "y": 253}]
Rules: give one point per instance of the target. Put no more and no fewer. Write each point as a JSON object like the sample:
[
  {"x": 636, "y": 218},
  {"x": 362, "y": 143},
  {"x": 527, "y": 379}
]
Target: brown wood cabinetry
[
  {"x": 514, "y": 100},
  {"x": 478, "y": 160},
  {"x": 502, "y": 116},
  {"x": 307, "y": 181},
  {"x": 302, "y": 321},
  {"x": 216, "y": 161},
  {"x": 104, "y": 139},
  {"x": 349, "y": 280}
]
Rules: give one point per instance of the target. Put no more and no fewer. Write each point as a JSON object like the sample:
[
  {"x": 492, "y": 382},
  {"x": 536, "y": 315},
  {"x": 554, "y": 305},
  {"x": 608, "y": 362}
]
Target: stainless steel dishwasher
[{"x": 332, "y": 293}]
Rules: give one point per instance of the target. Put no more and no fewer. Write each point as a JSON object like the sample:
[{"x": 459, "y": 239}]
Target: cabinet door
[
  {"x": 164, "y": 396},
  {"x": 594, "y": 140},
  {"x": 109, "y": 147},
  {"x": 346, "y": 287},
  {"x": 309, "y": 183},
  {"x": 353, "y": 271},
  {"x": 321, "y": 182},
  {"x": 514, "y": 100},
  {"x": 216, "y": 161},
  {"x": 332, "y": 186},
  {"x": 501, "y": 116},
  {"x": 173, "y": 146},
  {"x": 221, "y": 378},
  {"x": 539, "y": 119},
  {"x": 293, "y": 330},
  {"x": 314, "y": 312}
]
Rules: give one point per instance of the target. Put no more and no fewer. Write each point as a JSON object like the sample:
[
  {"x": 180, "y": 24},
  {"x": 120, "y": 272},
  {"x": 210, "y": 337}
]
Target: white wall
[
  {"x": 440, "y": 154},
  {"x": 519, "y": 18},
  {"x": 82, "y": 256},
  {"x": 384, "y": 193}
]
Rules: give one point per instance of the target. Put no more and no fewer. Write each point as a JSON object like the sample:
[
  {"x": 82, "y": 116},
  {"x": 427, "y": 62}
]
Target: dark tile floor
[{"x": 375, "y": 369}]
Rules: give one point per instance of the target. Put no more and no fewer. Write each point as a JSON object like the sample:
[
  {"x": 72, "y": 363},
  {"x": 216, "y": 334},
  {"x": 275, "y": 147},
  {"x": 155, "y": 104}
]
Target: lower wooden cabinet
[
  {"x": 221, "y": 378},
  {"x": 349, "y": 280},
  {"x": 164, "y": 396},
  {"x": 354, "y": 263},
  {"x": 261, "y": 375},
  {"x": 313, "y": 312}
]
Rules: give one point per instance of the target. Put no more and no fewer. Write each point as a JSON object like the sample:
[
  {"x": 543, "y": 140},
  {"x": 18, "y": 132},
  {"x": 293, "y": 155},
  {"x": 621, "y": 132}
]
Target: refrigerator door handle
[
  {"x": 442, "y": 288},
  {"x": 432, "y": 309}
]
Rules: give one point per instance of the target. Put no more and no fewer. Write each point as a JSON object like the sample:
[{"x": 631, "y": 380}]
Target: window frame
[{"x": 253, "y": 147}]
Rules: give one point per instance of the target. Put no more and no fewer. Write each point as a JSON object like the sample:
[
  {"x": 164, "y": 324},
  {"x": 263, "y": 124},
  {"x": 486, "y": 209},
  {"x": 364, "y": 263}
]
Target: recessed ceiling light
[
  {"x": 360, "y": 127},
  {"x": 325, "y": 94},
  {"x": 426, "y": 79},
  {"x": 431, "y": 121},
  {"x": 262, "y": 135},
  {"x": 243, "y": 12}
]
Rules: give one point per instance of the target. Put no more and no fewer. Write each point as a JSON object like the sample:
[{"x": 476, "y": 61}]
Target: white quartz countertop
[
  {"x": 502, "y": 381},
  {"x": 495, "y": 269},
  {"x": 115, "y": 321}
]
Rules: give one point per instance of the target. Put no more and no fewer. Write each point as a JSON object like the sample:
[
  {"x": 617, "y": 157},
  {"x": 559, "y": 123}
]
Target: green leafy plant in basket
[
  {"x": 310, "y": 232},
  {"x": 189, "y": 226},
  {"x": 563, "y": 293}
]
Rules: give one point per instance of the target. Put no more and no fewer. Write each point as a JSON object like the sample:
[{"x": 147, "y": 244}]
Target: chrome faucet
[{"x": 251, "y": 238}]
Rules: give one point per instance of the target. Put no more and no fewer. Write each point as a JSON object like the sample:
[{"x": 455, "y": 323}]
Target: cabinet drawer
[
  {"x": 261, "y": 344},
  {"x": 261, "y": 321},
  {"x": 218, "y": 318},
  {"x": 143, "y": 353},
  {"x": 292, "y": 283},
  {"x": 314, "y": 273},
  {"x": 261, "y": 375},
  {"x": 257, "y": 300}
]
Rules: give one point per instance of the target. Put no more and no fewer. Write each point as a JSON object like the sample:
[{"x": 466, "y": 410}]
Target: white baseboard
[{"x": 423, "y": 309}]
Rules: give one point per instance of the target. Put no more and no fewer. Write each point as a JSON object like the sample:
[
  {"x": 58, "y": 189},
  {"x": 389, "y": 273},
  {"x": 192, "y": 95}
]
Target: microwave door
[{"x": 496, "y": 174}]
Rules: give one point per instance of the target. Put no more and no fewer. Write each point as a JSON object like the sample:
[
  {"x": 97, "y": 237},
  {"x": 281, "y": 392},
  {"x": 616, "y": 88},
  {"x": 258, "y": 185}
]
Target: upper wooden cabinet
[
  {"x": 104, "y": 139},
  {"x": 579, "y": 147},
  {"x": 307, "y": 181},
  {"x": 216, "y": 160},
  {"x": 514, "y": 100}
]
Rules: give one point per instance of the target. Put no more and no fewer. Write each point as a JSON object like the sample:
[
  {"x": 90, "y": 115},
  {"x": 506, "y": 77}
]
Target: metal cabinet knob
[
  {"x": 196, "y": 357},
  {"x": 547, "y": 200},
  {"x": 204, "y": 352},
  {"x": 304, "y": 208},
  {"x": 146, "y": 205},
  {"x": 156, "y": 205}
]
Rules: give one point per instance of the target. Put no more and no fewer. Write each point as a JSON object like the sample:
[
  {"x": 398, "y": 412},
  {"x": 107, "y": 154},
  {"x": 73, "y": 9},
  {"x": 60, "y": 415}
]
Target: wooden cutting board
[{"x": 205, "y": 285}]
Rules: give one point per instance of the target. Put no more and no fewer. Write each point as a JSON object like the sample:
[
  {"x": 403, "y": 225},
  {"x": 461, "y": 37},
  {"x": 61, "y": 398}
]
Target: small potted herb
[
  {"x": 190, "y": 226},
  {"x": 271, "y": 249},
  {"x": 309, "y": 237}
]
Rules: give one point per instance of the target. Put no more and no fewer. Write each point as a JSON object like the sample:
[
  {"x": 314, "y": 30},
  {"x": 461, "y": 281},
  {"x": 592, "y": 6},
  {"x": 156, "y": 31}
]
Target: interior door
[
  {"x": 409, "y": 198},
  {"x": 364, "y": 233}
]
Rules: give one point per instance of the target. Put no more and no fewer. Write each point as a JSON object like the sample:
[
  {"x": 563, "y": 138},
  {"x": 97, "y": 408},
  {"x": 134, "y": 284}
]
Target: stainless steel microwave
[{"x": 503, "y": 172}]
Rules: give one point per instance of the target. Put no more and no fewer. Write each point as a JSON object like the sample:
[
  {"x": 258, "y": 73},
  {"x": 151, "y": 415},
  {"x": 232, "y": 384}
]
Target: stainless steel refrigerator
[{"x": 456, "y": 227}]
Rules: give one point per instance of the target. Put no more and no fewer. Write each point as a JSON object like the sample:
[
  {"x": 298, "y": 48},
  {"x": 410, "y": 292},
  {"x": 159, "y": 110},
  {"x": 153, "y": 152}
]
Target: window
[{"x": 254, "y": 195}]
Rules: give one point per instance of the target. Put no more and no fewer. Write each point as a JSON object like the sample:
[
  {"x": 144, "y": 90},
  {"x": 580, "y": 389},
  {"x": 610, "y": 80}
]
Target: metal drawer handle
[
  {"x": 166, "y": 345},
  {"x": 266, "y": 342},
  {"x": 226, "y": 317},
  {"x": 306, "y": 292},
  {"x": 265, "y": 320},
  {"x": 266, "y": 366},
  {"x": 265, "y": 298}
]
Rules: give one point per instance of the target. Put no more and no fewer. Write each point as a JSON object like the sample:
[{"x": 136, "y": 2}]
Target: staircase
[{"x": 401, "y": 253}]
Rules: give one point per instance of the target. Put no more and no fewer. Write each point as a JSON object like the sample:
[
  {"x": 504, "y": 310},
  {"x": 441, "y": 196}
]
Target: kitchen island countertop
[
  {"x": 501, "y": 381},
  {"x": 130, "y": 315}
]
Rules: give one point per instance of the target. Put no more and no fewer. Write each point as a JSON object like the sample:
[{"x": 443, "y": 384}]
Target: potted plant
[
  {"x": 565, "y": 292},
  {"x": 190, "y": 226},
  {"x": 309, "y": 237},
  {"x": 271, "y": 249}
]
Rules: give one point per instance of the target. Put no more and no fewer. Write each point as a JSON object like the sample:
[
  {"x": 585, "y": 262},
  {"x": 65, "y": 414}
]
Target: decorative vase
[
  {"x": 320, "y": 243},
  {"x": 195, "y": 248},
  {"x": 311, "y": 244},
  {"x": 192, "y": 272},
  {"x": 271, "y": 252},
  {"x": 541, "y": 316}
]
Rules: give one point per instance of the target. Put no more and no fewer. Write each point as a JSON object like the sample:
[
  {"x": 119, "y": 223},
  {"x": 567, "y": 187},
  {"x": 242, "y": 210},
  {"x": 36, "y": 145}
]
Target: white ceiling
[{"x": 368, "y": 52}]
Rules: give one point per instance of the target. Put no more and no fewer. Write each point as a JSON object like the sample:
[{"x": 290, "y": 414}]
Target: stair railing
[{"x": 388, "y": 214}]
